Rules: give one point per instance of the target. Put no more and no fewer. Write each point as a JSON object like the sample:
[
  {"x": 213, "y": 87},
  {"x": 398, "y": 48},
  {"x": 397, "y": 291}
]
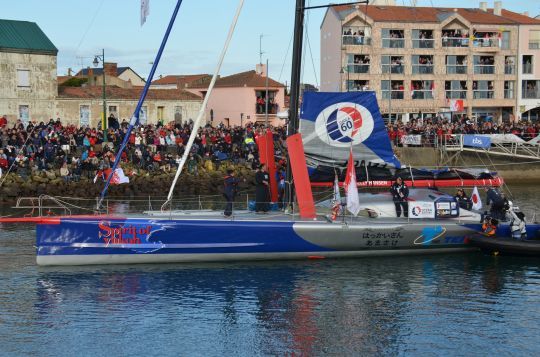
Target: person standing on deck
[
  {"x": 400, "y": 193},
  {"x": 262, "y": 180},
  {"x": 230, "y": 188}
]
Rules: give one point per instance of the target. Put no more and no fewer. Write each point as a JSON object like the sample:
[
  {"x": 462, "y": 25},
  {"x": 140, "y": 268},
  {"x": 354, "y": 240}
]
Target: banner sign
[
  {"x": 421, "y": 210},
  {"x": 411, "y": 139},
  {"x": 477, "y": 141}
]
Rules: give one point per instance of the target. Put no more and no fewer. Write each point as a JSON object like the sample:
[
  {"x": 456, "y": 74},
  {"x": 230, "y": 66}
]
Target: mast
[{"x": 292, "y": 126}]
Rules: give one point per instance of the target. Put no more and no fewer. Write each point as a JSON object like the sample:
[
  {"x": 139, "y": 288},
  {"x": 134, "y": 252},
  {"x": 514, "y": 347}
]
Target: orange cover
[{"x": 304, "y": 195}]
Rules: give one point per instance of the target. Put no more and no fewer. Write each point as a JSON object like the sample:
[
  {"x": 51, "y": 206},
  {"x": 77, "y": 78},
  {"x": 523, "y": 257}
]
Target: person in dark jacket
[
  {"x": 262, "y": 182},
  {"x": 400, "y": 193},
  {"x": 497, "y": 201},
  {"x": 230, "y": 188},
  {"x": 463, "y": 200}
]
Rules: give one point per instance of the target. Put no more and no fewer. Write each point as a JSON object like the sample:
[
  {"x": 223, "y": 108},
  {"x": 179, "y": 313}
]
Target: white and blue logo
[{"x": 344, "y": 124}]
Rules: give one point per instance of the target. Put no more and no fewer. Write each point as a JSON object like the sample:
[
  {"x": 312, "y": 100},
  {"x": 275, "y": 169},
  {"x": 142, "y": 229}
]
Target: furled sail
[{"x": 332, "y": 123}]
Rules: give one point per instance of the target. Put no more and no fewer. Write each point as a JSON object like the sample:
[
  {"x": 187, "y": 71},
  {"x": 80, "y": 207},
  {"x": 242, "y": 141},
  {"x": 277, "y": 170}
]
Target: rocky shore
[{"x": 208, "y": 180}]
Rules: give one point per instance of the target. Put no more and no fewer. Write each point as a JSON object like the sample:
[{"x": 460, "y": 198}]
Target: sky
[{"x": 81, "y": 29}]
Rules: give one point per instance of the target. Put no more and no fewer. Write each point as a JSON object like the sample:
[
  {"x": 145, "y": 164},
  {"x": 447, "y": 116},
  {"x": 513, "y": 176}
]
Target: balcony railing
[
  {"x": 396, "y": 68},
  {"x": 261, "y": 108},
  {"x": 509, "y": 94},
  {"x": 492, "y": 42},
  {"x": 484, "y": 69},
  {"x": 534, "y": 45},
  {"x": 396, "y": 94},
  {"x": 393, "y": 43},
  {"x": 509, "y": 69},
  {"x": 483, "y": 94},
  {"x": 356, "y": 40},
  {"x": 423, "y": 43},
  {"x": 358, "y": 68},
  {"x": 456, "y": 94},
  {"x": 531, "y": 94},
  {"x": 422, "y": 94},
  {"x": 422, "y": 69},
  {"x": 455, "y": 42},
  {"x": 527, "y": 68},
  {"x": 456, "y": 69}
]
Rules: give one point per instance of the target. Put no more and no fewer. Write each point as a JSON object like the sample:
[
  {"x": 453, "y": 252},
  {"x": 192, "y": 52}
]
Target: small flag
[
  {"x": 119, "y": 177},
  {"x": 336, "y": 200},
  {"x": 145, "y": 10},
  {"x": 475, "y": 198},
  {"x": 353, "y": 202}
]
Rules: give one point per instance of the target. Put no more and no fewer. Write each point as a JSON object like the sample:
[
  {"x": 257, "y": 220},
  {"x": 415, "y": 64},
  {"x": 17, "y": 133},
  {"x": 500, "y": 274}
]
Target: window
[
  {"x": 455, "y": 89},
  {"x": 510, "y": 65},
  {"x": 456, "y": 64},
  {"x": 23, "y": 78},
  {"x": 260, "y": 105},
  {"x": 487, "y": 39},
  {"x": 455, "y": 38},
  {"x": 160, "y": 111},
  {"x": 422, "y": 38},
  {"x": 527, "y": 63},
  {"x": 484, "y": 65},
  {"x": 357, "y": 85},
  {"x": 509, "y": 89},
  {"x": 395, "y": 64},
  {"x": 113, "y": 109},
  {"x": 422, "y": 64},
  {"x": 505, "y": 42},
  {"x": 392, "y": 38},
  {"x": 24, "y": 114},
  {"x": 178, "y": 114},
  {"x": 392, "y": 90},
  {"x": 530, "y": 89},
  {"x": 422, "y": 89},
  {"x": 84, "y": 115},
  {"x": 357, "y": 63},
  {"x": 483, "y": 89},
  {"x": 534, "y": 39}
]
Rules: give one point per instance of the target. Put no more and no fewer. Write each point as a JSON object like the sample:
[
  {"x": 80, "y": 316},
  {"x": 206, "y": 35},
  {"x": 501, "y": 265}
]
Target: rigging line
[
  {"x": 304, "y": 49},
  {"x": 194, "y": 131},
  {"x": 285, "y": 58},
  {"x": 89, "y": 26},
  {"x": 312, "y": 61}
]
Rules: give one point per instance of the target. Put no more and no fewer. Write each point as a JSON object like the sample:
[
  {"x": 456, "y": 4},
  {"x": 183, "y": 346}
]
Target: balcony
[
  {"x": 395, "y": 94},
  {"x": 509, "y": 69},
  {"x": 484, "y": 69},
  {"x": 393, "y": 43},
  {"x": 356, "y": 40},
  {"x": 531, "y": 93},
  {"x": 422, "y": 94},
  {"x": 395, "y": 68},
  {"x": 483, "y": 94},
  {"x": 423, "y": 42},
  {"x": 527, "y": 68},
  {"x": 456, "y": 94},
  {"x": 357, "y": 68},
  {"x": 422, "y": 69},
  {"x": 534, "y": 45},
  {"x": 260, "y": 108},
  {"x": 456, "y": 69},
  {"x": 490, "y": 42},
  {"x": 455, "y": 42}
]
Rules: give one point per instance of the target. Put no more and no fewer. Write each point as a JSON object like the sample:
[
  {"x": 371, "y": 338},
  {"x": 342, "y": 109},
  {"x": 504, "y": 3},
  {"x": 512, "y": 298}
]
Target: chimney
[
  {"x": 89, "y": 72},
  {"x": 483, "y": 6},
  {"x": 526, "y": 13},
  {"x": 111, "y": 69},
  {"x": 497, "y": 8},
  {"x": 261, "y": 69}
]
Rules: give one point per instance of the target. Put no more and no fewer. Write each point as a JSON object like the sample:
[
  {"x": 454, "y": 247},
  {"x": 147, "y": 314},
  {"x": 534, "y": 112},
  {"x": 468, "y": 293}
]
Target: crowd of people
[
  {"x": 439, "y": 128},
  {"x": 77, "y": 152}
]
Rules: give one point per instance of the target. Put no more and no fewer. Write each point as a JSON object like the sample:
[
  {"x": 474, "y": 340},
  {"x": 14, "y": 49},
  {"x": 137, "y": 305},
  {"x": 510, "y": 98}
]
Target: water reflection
[{"x": 344, "y": 307}]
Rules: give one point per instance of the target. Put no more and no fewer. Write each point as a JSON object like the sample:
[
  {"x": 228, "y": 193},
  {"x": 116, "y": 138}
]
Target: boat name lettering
[
  {"x": 382, "y": 243},
  {"x": 381, "y": 235},
  {"x": 123, "y": 234}
]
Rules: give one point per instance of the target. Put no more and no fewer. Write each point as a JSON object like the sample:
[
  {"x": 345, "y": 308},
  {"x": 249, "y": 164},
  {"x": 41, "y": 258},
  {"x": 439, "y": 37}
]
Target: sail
[{"x": 332, "y": 123}]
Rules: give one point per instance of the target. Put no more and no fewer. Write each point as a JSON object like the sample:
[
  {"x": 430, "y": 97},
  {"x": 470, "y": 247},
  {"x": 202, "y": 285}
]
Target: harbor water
[{"x": 453, "y": 304}]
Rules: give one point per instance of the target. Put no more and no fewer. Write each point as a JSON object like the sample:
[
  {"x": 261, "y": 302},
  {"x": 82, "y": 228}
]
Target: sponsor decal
[
  {"x": 344, "y": 124},
  {"x": 121, "y": 234},
  {"x": 421, "y": 210}
]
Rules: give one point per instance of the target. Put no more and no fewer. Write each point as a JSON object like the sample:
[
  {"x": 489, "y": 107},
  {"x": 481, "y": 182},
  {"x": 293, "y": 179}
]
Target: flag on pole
[
  {"x": 353, "y": 202},
  {"x": 336, "y": 200},
  {"x": 145, "y": 10},
  {"x": 476, "y": 201},
  {"x": 119, "y": 177}
]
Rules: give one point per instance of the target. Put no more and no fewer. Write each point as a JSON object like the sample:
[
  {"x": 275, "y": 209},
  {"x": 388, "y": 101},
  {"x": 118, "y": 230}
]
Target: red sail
[
  {"x": 301, "y": 177},
  {"x": 266, "y": 156}
]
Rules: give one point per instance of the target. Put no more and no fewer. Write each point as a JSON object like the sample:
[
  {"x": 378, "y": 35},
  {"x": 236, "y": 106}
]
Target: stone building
[
  {"x": 420, "y": 59},
  {"x": 27, "y": 72},
  {"x": 123, "y": 77}
]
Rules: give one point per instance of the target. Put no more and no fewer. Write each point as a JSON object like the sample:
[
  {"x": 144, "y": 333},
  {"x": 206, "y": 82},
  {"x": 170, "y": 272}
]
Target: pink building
[{"x": 240, "y": 98}]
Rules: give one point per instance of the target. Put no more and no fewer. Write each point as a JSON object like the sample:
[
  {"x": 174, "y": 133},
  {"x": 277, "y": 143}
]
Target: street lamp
[
  {"x": 342, "y": 72},
  {"x": 101, "y": 58}
]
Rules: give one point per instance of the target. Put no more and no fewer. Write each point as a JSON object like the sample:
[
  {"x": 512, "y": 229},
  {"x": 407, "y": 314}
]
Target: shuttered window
[{"x": 23, "y": 78}]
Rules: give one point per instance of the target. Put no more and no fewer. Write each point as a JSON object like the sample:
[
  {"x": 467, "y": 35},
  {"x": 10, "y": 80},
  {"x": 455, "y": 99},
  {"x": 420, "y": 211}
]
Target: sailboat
[{"x": 339, "y": 122}]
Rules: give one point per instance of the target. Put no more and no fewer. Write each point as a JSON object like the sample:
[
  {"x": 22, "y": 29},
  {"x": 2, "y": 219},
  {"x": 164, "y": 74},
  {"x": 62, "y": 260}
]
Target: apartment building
[{"x": 419, "y": 59}]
